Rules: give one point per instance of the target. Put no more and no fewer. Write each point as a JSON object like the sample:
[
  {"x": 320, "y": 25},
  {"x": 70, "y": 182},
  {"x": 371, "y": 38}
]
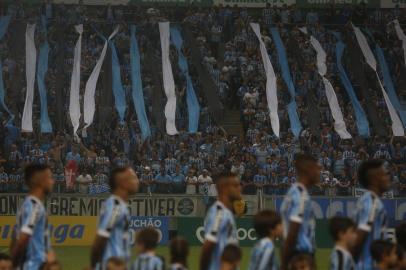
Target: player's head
[
  {"x": 228, "y": 186},
  {"x": 384, "y": 253},
  {"x": 268, "y": 223},
  {"x": 124, "y": 178},
  {"x": 231, "y": 257},
  {"x": 307, "y": 169},
  {"x": 302, "y": 262},
  {"x": 372, "y": 174},
  {"x": 179, "y": 249},
  {"x": 5, "y": 262},
  {"x": 114, "y": 263},
  {"x": 51, "y": 266},
  {"x": 39, "y": 176},
  {"x": 147, "y": 239},
  {"x": 342, "y": 229},
  {"x": 401, "y": 235}
]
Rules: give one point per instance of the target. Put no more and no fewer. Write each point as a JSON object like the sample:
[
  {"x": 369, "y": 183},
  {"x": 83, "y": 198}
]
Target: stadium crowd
[{"x": 184, "y": 163}]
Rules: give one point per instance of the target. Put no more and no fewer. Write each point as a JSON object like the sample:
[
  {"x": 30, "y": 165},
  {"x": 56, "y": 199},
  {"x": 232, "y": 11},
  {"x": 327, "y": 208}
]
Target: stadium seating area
[{"x": 230, "y": 53}]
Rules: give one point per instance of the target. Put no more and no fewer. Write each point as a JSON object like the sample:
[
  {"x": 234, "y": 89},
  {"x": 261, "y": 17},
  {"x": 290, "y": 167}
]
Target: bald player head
[
  {"x": 307, "y": 169},
  {"x": 228, "y": 186}
]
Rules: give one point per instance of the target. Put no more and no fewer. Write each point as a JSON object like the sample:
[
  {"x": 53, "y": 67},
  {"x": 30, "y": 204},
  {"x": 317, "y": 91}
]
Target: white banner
[
  {"x": 30, "y": 64},
  {"x": 89, "y": 103},
  {"x": 271, "y": 95},
  {"x": 401, "y": 36},
  {"x": 339, "y": 124},
  {"x": 397, "y": 127},
  {"x": 169, "y": 83},
  {"x": 74, "y": 100}
]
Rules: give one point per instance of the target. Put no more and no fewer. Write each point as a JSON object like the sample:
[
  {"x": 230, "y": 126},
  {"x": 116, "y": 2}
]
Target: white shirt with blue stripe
[
  {"x": 341, "y": 259},
  {"x": 32, "y": 219},
  {"x": 148, "y": 261},
  {"x": 219, "y": 228},
  {"x": 297, "y": 207},
  {"x": 263, "y": 256},
  {"x": 371, "y": 218},
  {"x": 114, "y": 225}
]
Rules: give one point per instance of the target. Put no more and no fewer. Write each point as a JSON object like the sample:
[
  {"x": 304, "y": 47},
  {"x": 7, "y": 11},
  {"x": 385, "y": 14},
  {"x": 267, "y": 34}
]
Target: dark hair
[
  {"x": 148, "y": 237},
  {"x": 380, "y": 248},
  {"x": 265, "y": 221},
  {"x": 231, "y": 254},
  {"x": 49, "y": 265},
  {"x": 179, "y": 250},
  {"x": 5, "y": 257},
  {"x": 221, "y": 178},
  {"x": 302, "y": 160},
  {"x": 338, "y": 225},
  {"x": 115, "y": 261},
  {"x": 302, "y": 258},
  {"x": 365, "y": 168},
  {"x": 113, "y": 176},
  {"x": 401, "y": 235},
  {"x": 32, "y": 169}
]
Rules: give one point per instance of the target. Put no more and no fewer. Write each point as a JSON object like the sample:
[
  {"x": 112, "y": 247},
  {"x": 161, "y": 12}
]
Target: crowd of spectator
[{"x": 185, "y": 163}]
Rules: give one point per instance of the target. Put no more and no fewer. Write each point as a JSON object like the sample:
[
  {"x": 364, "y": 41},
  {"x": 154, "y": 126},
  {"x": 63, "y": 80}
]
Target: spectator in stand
[{"x": 84, "y": 180}]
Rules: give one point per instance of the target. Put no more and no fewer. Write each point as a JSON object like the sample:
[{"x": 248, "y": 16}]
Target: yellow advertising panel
[{"x": 64, "y": 231}]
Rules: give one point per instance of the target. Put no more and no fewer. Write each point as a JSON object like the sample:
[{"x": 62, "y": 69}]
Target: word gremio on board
[{"x": 66, "y": 205}]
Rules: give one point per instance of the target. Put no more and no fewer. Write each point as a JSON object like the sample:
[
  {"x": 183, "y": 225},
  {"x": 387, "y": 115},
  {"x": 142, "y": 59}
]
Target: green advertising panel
[{"x": 193, "y": 230}]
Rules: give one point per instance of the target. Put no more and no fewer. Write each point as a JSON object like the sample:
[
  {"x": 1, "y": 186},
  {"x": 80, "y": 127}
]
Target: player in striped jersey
[
  {"x": 370, "y": 216},
  {"x": 146, "y": 242},
  {"x": 342, "y": 230},
  {"x": 219, "y": 225},
  {"x": 31, "y": 248},
  {"x": 268, "y": 226},
  {"x": 297, "y": 213},
  {"x": 113, "y": 239},
  {"x": 179, "y": 250}
]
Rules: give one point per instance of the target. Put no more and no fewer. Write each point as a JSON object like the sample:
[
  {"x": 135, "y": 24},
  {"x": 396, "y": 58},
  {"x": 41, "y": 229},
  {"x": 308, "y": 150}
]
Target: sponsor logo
[{"x": 185, "y": 206}]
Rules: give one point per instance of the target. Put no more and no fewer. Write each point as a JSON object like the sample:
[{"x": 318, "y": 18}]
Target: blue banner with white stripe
[
  {"x": 191, "y": 98},
  {"x": 117, "y": 85},
  {"x": 42, "y": 68},
  {"x": 137, "y": 95},
  {"x": 296, "y": 127}
]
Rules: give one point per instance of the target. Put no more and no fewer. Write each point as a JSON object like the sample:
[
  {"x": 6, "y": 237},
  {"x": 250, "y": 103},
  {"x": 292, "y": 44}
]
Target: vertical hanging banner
[
  {"x": 89, "y": 106},
  {"x": 30, "y": 63},
  {"x": 401, "y": 36},
  {"x": 339, "y": 124},
  {"x": 137, "y": 94},
  {"x": 191, "y": 99},
  {"x": 271, "y": 96},
  {"x": 397, "y": 127},
  {"x": 283, "y": 62},
  {"x": 74, "y": 98},
  {"x": 168, "y": 81},
  {"x": 4, "y": 23},
  {"x": 117, "y": 85},
  {"x": 42, "y": 68}
]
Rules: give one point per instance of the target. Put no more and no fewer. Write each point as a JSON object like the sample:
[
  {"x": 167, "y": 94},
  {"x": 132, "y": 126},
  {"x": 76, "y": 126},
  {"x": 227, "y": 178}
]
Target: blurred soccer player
[
  {"x": 384, "y": 254},
  {"x": 113, "y": 239},
  {"x": 371, "y": 216},
  {"x": 5, "y": 262},
  {"x": 146, "y": 242},
  {"x": 231, "y": 257},
  {"x": 114, "y": 263},
  {"x": 401, "y": 241},
  {"x": 302, "y": 262},
  {"x": 296, "y": 210},
  {"x": 179, "y": 250},
  {"x": 268, "y": 226},
  {"x": 343, "y": 232},
  {"x": 219, "y": 225},
  {"x": 32, "y": 248}
]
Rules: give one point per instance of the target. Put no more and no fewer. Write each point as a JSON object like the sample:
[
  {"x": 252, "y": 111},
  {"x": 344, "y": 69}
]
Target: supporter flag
[{"x": 401, "y": 36}]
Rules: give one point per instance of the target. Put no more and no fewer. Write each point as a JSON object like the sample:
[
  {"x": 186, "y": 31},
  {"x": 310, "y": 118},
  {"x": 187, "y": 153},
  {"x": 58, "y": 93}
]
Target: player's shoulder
[
  {"x": 367, "y": 198},
  {"x": 266, "y": 244},
  {"x": 32, "y": 203}
]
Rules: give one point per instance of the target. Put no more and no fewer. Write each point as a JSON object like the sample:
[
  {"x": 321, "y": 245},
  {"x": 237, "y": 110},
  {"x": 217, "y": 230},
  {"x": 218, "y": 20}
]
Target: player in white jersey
[
  {"x": 31, "y": 247},
  {"x": 219, "y": 225},
  {"x": 297, "y": 214},
  {"x": 370, "y": 216},
  {"x": 113, "y": 239}
]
